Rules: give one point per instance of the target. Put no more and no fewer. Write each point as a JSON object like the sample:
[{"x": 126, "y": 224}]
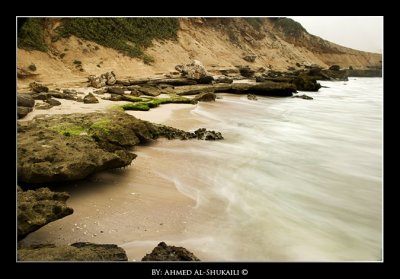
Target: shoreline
[{"x": 133, "y": 207}]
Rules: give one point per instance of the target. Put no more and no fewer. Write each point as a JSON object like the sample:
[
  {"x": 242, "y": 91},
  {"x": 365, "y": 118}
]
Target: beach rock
[
  {"x": 252, "y": 97},
  {"x": 306, "y": 83},
  {"x": 38, "y": 208},
  {"x": 304, "y": 96},
  {"x": 66, "y": 94},
  {"x": 110, "y": 78},
  {"x": 204, "y": 97},
  {"x": 40, "y": 96},
  {"x": 163, "y": 252},
  {"x": 107, "y": 78},
  {"x": 43, "y": 106},
  {"x": 117, "y": 90},
  {"x": 149, "y": 90},
  {"x": 80, "y": 251},
  {"x": 37, "y": 87},
  {"x": 53, "y": 102},
  {"x": 246, "y": 71},
  {"x": 123, "y": 82},
  {"x": 90, "y": 99},
  {"x": 65, "y": 147},
  {"x": 223, "y": 79},
  {"x": 23, "y": 111},
  {"x": 203, "y": 134},
  {"x": 334, "y": 68},
  {"x": 25, "y": 100},
  {"x": 195, "y": 70},
  {"x": 267, "y": 88}
]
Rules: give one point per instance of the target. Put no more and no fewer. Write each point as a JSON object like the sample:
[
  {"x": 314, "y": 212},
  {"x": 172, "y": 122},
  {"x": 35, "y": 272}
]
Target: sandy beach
[{"x": 133, "y": 207}]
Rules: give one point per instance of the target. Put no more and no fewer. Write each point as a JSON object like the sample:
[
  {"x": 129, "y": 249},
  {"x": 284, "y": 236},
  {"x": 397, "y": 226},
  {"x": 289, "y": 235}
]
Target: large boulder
[
  {"x": 334, "y": 68},
  {"x": 90, "y": 99},
  {"x": 196, "y": 71},
  {"x": 38, "y": 208},
  {"x": 80, "y": 251},
  {"x": 163, "y": 252},
  {"x": 25, "y": 100}
]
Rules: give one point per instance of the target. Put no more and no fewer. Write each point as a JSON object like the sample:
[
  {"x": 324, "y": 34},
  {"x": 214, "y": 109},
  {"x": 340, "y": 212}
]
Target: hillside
[{"x": 277, "y": 43}]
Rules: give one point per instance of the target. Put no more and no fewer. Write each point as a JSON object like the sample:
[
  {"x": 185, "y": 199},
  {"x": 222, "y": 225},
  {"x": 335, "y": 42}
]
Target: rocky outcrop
[
  {"x": 90, "y": 99},
  {"x": 304, "y": 96},
  {"x": 37, "y": 87},
  {"x": 25, "y": 103},
  {"x": 334, "y": 68},
  {"x": 80, "y": 251},
  {"x": 66, "y": 94},
  {"x": 252, "y": 97},
  {"x": 365, "y": 73},
  {"x": 102, "y": 80},
  {"x": 266, "y": 88},
  {"x": 195, "y": 71},
  {"x": 203, "y": 134},
  {"x": 163, "y": 252},
  {"x": 306, "y": 83},
  {"x": 71, "y": 147},
  {"x": 38, "y": 208},
  {"x": 204, "y": 97}
]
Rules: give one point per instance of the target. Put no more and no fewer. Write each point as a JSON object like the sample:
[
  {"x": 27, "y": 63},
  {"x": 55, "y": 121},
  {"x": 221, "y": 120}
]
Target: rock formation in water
[
  {"x": 70, "y": 147},
  {"x": 80, "y": 251},
  {"x": 38, "y": 208}
]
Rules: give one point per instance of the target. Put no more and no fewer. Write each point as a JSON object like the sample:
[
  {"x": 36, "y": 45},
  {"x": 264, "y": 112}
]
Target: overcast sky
[{"x": 358, "y": 32}]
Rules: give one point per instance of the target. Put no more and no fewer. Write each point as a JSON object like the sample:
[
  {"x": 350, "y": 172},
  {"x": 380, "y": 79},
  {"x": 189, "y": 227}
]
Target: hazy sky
[{"x": 358, "y": 32}]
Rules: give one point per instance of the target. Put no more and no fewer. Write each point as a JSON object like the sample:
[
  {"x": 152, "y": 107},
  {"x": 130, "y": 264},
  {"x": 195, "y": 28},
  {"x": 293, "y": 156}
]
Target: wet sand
[{"x": 132, "y": 207}]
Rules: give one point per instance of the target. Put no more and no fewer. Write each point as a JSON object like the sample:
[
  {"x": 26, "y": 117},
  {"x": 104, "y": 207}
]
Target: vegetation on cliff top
[
  {"x": 128, "y": 35},
  {"x": 30, "y": 34},
  {"x": 289, "y": 27}
]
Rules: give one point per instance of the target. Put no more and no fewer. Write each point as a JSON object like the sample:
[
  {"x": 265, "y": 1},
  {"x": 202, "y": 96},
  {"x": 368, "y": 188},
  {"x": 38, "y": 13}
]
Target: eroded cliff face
[{"x": 272, "y": 43}]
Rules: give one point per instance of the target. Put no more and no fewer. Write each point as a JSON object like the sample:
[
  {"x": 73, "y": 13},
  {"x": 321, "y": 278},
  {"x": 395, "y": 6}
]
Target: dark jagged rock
[
  {"x": 123, "y": 82},
  {"x": 90, "y": 99},
  {"x": 37, "y": 87},
  {"x": 203, "y": 134},
  {"x": 198, "y": 89},
  {"x": 304, "y": 96},
  {"x": 246, "y": 71},
  {"x": 80, "y": 251},
  {"x": 25, "y": 104},
  {"x": 204, "y": 97},
  {"x": 38, "y": 208},
  {"x": 252, "y": 97},
  {"x": 163, "y": 252},
  {"x": 334, "y": 68},
  {"x": 265, "y": 88},
  {"x": 71, "y": 147},
  {"x": 25, "y": 100},
  {"x": 53, "y": 102},
  {"x": 306, "y": 83},
  {"x": 23, "y": 111},
  {"x": 178, "y": 81}
]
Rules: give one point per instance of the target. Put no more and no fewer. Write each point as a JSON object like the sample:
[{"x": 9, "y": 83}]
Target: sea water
[{"x": 293, "y": 180}]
